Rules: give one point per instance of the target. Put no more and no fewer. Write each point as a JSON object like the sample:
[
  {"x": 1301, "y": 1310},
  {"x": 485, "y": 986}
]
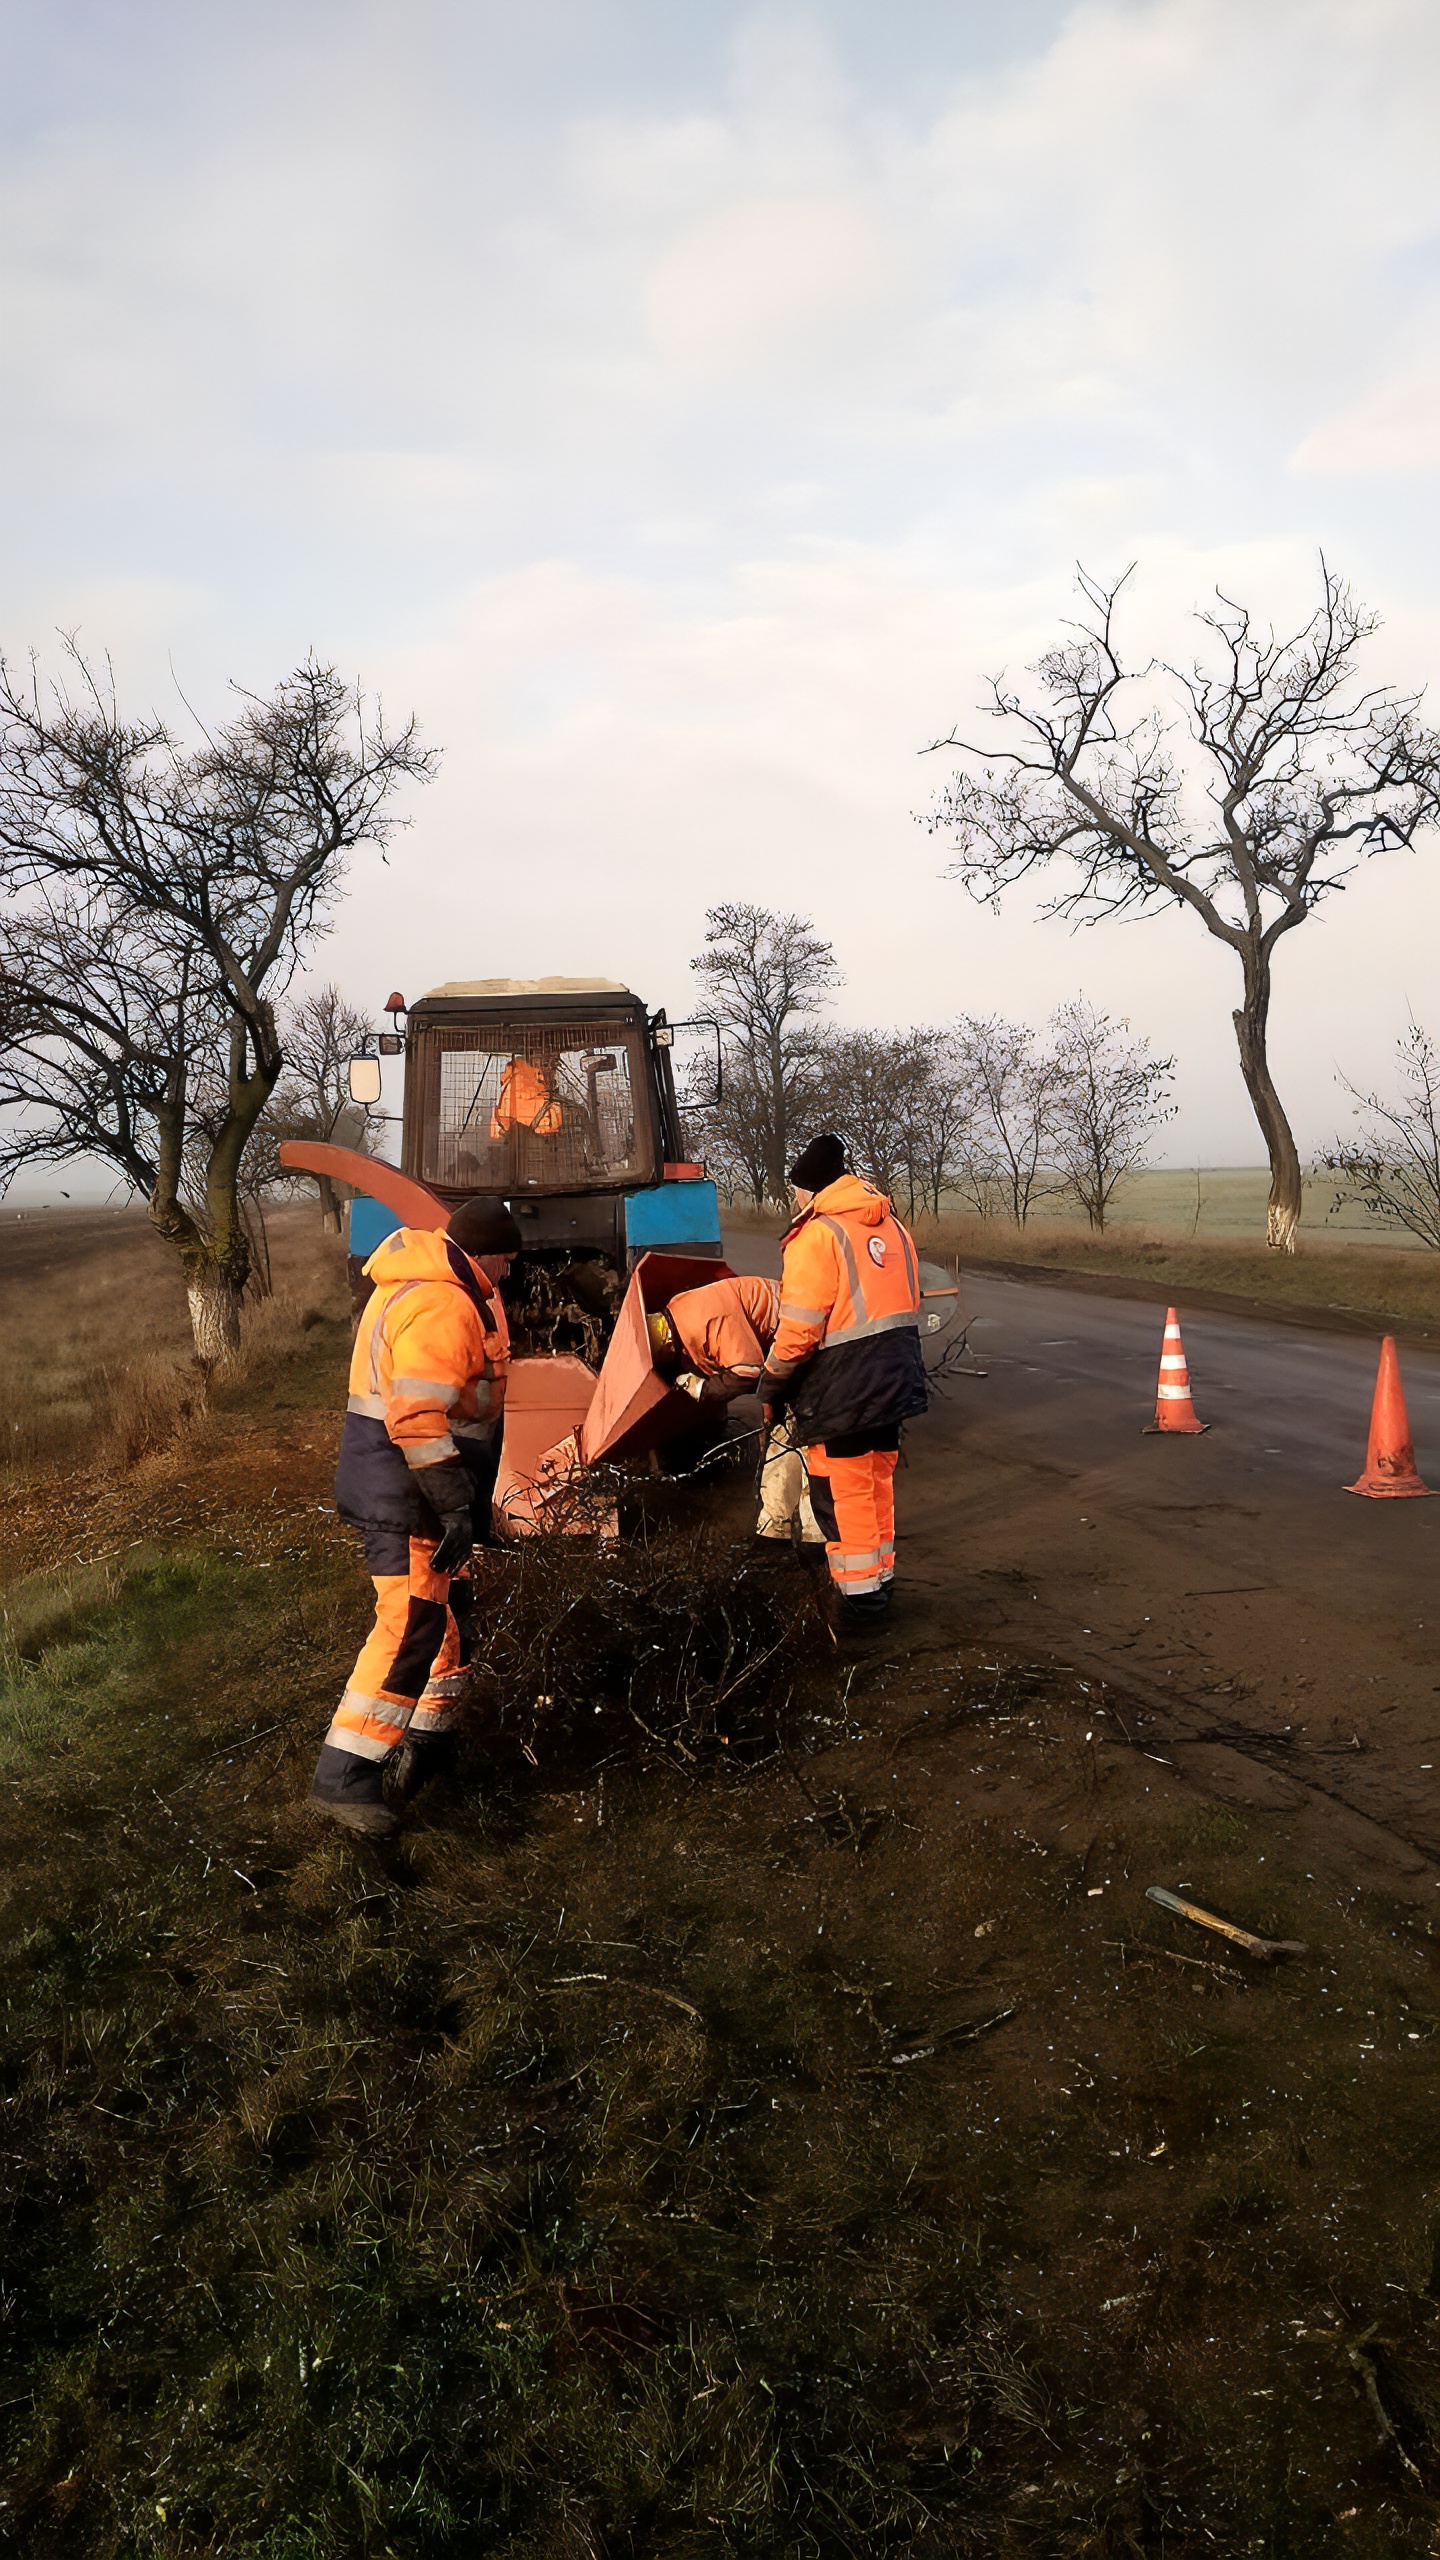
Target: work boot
[
  {"x": 352, "y": 1791},
  {"x": 420, "y": 1757},
  {"x": 862, "y": 1613}
]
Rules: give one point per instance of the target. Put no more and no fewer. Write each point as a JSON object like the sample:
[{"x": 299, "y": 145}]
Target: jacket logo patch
[{"x": 876, "y": 1248}]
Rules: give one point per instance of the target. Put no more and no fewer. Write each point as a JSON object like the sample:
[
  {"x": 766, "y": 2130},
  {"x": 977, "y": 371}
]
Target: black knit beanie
[
  {"x": 822, "y": 1162},
  {"x": 484, "y": 1226}
]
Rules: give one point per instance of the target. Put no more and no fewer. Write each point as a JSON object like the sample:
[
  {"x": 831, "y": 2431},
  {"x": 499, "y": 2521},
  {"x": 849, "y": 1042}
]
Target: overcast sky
[{"x": 680, "y": 405}]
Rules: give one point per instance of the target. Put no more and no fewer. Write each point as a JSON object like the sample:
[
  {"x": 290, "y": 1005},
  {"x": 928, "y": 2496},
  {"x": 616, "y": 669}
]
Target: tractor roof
[{"x": 457, "y": 989}]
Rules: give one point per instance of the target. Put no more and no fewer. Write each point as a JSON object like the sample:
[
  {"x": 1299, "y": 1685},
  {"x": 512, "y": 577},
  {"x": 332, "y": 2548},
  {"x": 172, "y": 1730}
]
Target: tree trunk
[
  {"x": 329, "y": 1204},
  {"x": 214, "y": 1318},
  {"x": 1251, "y": 1022},
  {"x": 214, "y": 1247}
]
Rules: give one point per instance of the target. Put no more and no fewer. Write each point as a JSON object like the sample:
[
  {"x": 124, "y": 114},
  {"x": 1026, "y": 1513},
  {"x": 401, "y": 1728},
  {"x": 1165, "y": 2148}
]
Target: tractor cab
[{"x": 557, "y": 1095}]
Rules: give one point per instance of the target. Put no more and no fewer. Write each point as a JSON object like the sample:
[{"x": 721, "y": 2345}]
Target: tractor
[{"x": 557, "y": 1095}]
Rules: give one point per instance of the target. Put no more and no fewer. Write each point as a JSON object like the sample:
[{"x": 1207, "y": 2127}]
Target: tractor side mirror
[
  {"x": 707, "y": 1030},
  {"x": 363, "y": 1078}
]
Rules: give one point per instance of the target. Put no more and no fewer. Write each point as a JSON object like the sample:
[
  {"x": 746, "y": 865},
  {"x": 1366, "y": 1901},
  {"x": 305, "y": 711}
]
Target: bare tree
[
  {"x": 766, "y": 977},
  {"x": 1110, "y": 1094},
  {"x": 733, "y": 1132},
  {"x": 1014, "y": 1084},
  {"x": 161, "y": 896},
  {"x": 942, "y": 1135},
  {"x": 1305, "y": 773},
  {"x": 101, "y": 1029},
  {"x": 875, "y": 1089},
  {"x": 1392, "y": 1167}
]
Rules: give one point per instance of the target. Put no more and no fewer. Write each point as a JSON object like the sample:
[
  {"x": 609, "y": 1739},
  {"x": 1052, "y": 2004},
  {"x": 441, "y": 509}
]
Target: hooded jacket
[
  {"x": 427, "y": 1377},
  {"x": 848, "y": 1343},
  {"x": 726, "y": 1324}
]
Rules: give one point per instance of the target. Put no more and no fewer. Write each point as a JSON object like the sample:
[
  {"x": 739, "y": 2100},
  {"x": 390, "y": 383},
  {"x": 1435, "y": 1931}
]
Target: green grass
[
  {"x": 1218, "y": 1204},
  {"x": 349, "y": 2212}
]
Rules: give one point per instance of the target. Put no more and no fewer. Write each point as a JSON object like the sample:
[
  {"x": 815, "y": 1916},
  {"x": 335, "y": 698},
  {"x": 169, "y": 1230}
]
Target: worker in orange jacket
[
  {"x": 846, "y": 1360},
  {"x": 418, "y": 1460},
  {"x": 527, "y": 1100},
  {"x": 717, "y": 1337}
]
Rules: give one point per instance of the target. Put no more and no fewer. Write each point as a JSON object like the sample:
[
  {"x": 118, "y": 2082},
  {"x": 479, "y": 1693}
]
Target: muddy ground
[
  {"x": 1274, "y": 1633},
  {"x": 801, "y": 2074}
]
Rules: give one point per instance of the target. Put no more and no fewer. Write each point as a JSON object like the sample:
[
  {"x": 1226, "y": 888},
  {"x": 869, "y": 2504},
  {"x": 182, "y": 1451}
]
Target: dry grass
[
  {"x": 1375, "y": 1283},
  {"x": 1396, "y": 1292},
  {"x": 96, "y": 1357}
]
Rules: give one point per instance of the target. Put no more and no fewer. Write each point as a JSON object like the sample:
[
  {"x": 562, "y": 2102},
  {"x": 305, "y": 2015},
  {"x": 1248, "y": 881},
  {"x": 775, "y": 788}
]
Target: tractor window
[{"x": 534, "y": 1111}]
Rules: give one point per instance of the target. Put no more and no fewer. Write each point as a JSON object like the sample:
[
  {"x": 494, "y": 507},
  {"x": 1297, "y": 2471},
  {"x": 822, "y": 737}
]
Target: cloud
[
  {"x": 775, "y": 283},
  {"x": 682, "y": 422},
  {"x": 1393, "y": 431}
]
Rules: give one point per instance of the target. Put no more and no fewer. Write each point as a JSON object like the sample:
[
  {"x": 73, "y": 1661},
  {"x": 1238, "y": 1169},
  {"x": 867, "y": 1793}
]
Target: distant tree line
[{"x": 982, "y": 1113}]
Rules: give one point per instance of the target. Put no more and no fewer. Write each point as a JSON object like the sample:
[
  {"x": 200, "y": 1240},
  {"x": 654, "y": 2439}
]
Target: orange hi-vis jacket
[
  {"x": 525, "y": 1102},
  {"x": 849, "y": 1331},
  {"x": 428, "y": 1371},
  {"x": 727, "y": 1324}
]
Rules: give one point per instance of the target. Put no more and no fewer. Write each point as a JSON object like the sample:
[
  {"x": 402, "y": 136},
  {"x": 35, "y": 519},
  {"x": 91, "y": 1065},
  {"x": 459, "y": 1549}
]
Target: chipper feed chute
[
  {"x": 538, "y": 1490},
  {"x": 634, "y": 1408},
  {"x": 627, "y": 1410}
]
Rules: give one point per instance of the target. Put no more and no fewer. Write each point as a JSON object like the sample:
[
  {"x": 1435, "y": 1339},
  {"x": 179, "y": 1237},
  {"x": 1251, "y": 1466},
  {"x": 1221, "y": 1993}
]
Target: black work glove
[
  {"x": 446, "y": 1490},
  {"x": 456, "y": 1549},
  {"x": 774, "y": 1396}
]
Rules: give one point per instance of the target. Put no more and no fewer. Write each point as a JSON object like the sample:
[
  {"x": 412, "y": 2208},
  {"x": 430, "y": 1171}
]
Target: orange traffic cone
[
  {"x": 1390, "y": 1469},
  {"x": 1173, "y": 1408}
]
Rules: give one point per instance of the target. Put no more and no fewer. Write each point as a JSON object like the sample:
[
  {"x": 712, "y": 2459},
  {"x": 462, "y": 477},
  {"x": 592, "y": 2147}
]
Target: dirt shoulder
[{"x": 1141, "y": 1280}]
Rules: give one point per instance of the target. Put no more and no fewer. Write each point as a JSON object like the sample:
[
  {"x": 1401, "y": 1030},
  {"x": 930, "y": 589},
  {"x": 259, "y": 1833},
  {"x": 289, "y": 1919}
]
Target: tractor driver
[{"x": 527, "y": 1101}]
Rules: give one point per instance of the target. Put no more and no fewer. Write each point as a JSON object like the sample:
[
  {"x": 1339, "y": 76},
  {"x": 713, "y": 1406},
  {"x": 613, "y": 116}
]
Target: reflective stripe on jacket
[
  {"x": 727, "y": 1324},
  {"x": 426, "y": 1375},
  {"x": 849, "y": 1327}
]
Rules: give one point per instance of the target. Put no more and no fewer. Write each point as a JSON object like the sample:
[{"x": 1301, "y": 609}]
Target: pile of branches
[{"x": 681, "y": 1637}]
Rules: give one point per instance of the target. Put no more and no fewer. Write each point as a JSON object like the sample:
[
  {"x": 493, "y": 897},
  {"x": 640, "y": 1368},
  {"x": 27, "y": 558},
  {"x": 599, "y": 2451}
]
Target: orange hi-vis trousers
[
  {"x": 411, "y": 1669},
  {"x": 854, "y": 1501}
]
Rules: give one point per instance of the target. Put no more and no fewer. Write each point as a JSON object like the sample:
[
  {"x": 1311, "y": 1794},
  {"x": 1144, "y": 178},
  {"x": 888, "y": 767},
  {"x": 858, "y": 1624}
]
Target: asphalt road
[{"x": 1278, "y": 1636}]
